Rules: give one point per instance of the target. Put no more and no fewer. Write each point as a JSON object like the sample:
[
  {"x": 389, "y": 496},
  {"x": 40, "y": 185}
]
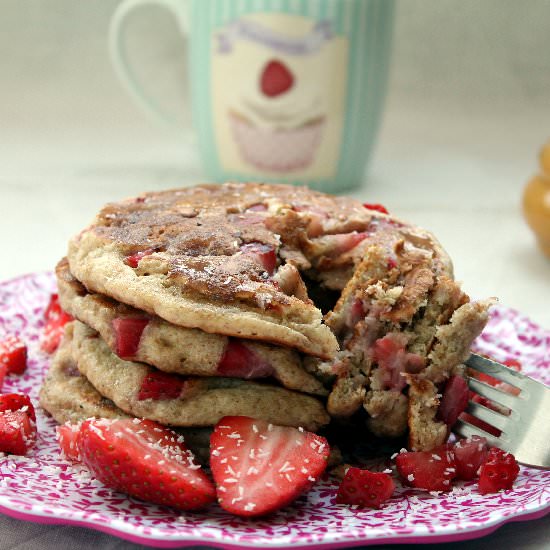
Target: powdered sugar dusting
[{"x": 43, "y": 484}]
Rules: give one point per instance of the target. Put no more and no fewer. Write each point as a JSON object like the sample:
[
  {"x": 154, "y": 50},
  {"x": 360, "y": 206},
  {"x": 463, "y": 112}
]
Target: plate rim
[{"x": 190, "y": 540}]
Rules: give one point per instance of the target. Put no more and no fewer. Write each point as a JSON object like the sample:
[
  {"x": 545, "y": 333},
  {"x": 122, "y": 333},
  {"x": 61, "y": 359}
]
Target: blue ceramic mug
[{"x": 281, "y": 90}]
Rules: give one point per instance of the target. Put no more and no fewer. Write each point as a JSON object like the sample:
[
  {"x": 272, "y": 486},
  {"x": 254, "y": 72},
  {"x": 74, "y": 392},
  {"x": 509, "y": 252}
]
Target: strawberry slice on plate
[
  {"x": 68, "y": 438},
  {"x": 146, "y": 460},
  {"x": 365, "y": 488},
  {"x": 431, "y": 470},
  {"x": 10, "y": 402},
  {"x": 56, "y": 319},
  {"x": 259, "y": 467},
  {"x": 470, "y": 454},
  {"x": 17, "y": 433},
  {"x": 13, "y": 356},
  {"x": 499, "y": 471}
]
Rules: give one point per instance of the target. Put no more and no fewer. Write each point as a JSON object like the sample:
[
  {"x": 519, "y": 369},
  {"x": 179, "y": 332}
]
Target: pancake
[
  {"x": 68, "y": 397},
  {"x": 235, "y": 259},
  {"x": 181, "y": 350},
  {"x": 321, "y": 289},
  {"x": 192, "y": 401},
  {"x": 401, "y": 323}
]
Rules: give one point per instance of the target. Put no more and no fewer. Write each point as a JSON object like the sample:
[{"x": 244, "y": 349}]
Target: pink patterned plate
[{"x": 45, "y": 488}]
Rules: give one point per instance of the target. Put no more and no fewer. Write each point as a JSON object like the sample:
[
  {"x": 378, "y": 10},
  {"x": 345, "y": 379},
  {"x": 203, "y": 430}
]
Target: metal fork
[{"x": 525, "y": 431}]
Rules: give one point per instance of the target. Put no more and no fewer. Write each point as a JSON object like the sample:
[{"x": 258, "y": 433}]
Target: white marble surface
[{"x": 468, "y": 109}]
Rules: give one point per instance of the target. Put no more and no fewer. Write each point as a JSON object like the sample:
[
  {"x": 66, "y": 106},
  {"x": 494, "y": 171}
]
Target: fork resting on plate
[{"x": 522, "y": 415}]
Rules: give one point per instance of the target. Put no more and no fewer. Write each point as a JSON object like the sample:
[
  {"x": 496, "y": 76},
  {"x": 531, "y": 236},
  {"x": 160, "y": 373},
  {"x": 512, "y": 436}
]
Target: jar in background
[{"x": 536, "y": 202}]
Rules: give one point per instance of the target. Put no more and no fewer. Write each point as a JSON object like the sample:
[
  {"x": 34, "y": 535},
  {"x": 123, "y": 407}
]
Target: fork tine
[
  {"x": 496, "y": 370},
  {"x": 492, "y": 393},
  {"x": 465, "y": 429},
  {"x": 493, "y": 418},
  {"x": 526, "y": 430}
]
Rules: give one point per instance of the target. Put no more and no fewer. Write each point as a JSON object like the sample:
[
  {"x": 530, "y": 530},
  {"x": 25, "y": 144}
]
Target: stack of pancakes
[{"x": 269, "y": 301}]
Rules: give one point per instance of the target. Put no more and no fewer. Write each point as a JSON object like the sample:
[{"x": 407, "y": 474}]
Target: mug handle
[{"x": 123, "y": 68}]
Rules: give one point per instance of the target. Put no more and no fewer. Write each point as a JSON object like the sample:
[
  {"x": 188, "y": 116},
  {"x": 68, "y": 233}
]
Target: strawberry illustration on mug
[
  {"x": 283, "y": 108},
  {"x": 276, "y": 79}
]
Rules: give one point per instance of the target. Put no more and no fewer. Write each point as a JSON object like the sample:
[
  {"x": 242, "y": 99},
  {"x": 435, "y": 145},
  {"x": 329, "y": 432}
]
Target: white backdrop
[{"x": 462, "y": 52}]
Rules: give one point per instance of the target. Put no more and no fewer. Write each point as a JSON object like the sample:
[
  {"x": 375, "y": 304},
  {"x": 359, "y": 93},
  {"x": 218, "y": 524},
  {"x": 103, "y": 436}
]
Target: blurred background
[{"x": 467, "y": 111}]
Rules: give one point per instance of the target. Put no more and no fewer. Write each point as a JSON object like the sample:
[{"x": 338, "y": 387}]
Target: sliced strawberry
[
  {"x": 128, "y": 331},
  {"x": 56, "y": 319},
  {"x": 482, "y": 377},
  {"x": 508, "y": 388},
  {"x": 263, "y": 254},
  {"x": 239, "y": 361},
  {"x": 513, "y": 364},
  {"x": 499, "y": 471},
  {"x": 343, "y": 242},
  {"x": 276, "y": 78},
  {"x": 431, "y": 470},
  {"x": 454, "y": 400},
  {"x": 365, "y": 488},
  {"x": 488, "y": 379},
  {"x": 469, "y": 454},
  {"x": 376, "y": 206},
  {"x": 134, "y": 259},
  {"x": 478, "y": 423},
  {"x": 17, "y": 433},
  {"x": 259, "y": 468},
  {"x": 394, "y": 361},
  {"x": 17, "y": 402},
  {"x": 13, "y": 355},
  {"x": 145, "y": 460},
  {"x": 53, "y": 308},
  {"x": 476, "y": 398},
  {"x": 160, "y": 385},
  {"x": 68, "y": 436},
  {"x": 488, "y": 403}
]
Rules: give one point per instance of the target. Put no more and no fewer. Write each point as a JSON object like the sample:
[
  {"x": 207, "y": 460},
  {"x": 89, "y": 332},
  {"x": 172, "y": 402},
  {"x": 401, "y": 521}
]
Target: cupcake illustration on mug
[
  {"x": 278, "y": 126},
  {"x": 278, "y": 97}
]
